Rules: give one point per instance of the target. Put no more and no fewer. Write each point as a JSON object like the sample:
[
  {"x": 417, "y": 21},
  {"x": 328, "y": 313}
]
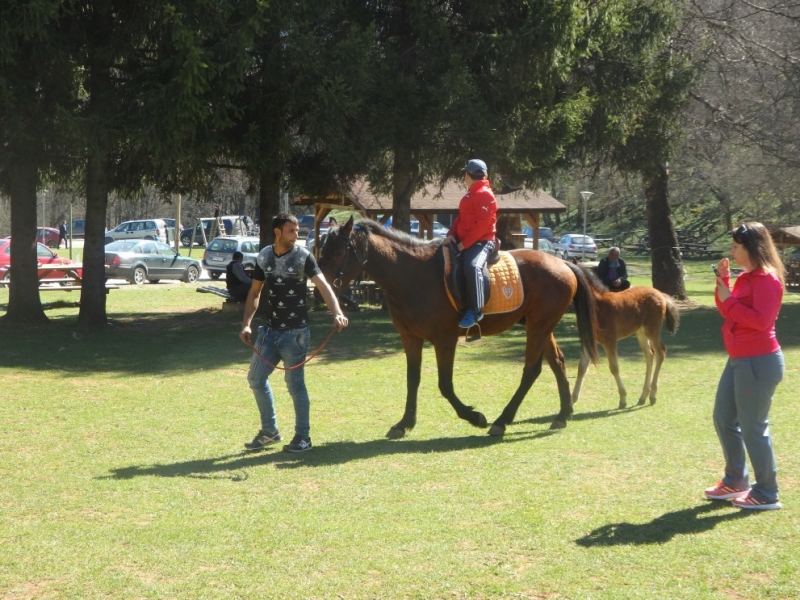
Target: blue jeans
[
  {"x": 741, "y": 418},
  {"x": 475, "y": 258},
  {"x": 290, "y": 346}
]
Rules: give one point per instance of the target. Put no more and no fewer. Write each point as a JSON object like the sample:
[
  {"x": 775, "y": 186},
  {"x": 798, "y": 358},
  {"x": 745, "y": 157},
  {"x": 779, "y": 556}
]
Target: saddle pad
[{"x": 506, "y": 286}]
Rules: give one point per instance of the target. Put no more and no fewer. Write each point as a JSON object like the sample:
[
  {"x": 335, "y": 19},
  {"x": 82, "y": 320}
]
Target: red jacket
[
  {"x": 477, "y": 215},
  {"x": 750, "y": 314}
]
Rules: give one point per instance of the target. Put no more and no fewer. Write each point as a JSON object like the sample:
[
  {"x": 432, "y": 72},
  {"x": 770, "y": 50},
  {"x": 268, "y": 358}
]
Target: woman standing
[{"x": 754, "y": 369}]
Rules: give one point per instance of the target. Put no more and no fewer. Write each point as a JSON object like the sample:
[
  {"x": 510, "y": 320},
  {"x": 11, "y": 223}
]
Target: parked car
[
  {"x": 439, "y": 230},
  {"x": 145, "y": 229},
  {"x": 544, "y": 246},
  {"x": 545, "y": 233},
  {"x": 306, "y": 225},
  {"x": 229, "y": 221},
  {"x": 145, "y": 260},
  {"x": 171, "y": 229},
  {"x": 323, "y": 234},
  {"x": 220, "y": 252},
  {"x": 44, "y": 256},
  {"x": 78, "y": 228},
  {"x": 47, "y": 236},
  {"x": 575, "y": 245}
]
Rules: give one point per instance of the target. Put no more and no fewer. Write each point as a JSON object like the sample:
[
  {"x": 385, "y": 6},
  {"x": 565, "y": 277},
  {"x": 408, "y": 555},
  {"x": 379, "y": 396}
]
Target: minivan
[{"x": 147, "y": 229}]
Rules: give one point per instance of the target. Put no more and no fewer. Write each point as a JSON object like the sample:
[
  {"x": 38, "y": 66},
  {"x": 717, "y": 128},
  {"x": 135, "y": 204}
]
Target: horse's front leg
[
  {"x": 613, "y": 366},
  {"x": 413, "y": 349},
  {"x": 445, "y": 356}
]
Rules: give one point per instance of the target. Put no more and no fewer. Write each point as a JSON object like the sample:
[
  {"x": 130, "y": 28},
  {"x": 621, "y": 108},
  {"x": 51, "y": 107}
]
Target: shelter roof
[
  {"x": 436, "y": 199},
  {"x": 786, "y": 235}
]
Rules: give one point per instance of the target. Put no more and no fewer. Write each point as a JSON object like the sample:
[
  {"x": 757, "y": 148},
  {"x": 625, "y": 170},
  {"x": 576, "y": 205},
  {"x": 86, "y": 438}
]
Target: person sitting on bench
[
  {"x": 236, "y": 280},
  {"x": 612, "y": 271}
]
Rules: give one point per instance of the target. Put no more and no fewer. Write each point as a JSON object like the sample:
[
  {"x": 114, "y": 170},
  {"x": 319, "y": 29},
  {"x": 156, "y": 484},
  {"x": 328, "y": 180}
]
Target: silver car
[
  {"x": 575, "y": 245},
  {"x": 142, "y": 260},
  {"x": 544, "y": 246},
  {"x": 220, "y": 252},
  {"x": 145, "y": 229}
]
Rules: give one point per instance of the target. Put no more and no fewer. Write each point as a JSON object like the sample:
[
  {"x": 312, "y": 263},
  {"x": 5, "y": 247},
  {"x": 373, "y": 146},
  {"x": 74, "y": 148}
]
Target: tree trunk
[
  {"x": 405, "y": 178},
  {"x": 93, "y": 295},
  {"x": 269, "y": 202},
  {"x": 664, "y": 252},
  {"x": 24, "y": 305}
]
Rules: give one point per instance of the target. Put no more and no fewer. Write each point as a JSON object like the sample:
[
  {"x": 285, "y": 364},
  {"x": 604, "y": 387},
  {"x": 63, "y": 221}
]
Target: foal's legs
[
  {"x": 583, "y": 365},
  {"x": 647, "y": 350},
  {"x": 413, "y": 349},
  {"x": 613, "y": 366},
  {"x": 659, "y": 348}
]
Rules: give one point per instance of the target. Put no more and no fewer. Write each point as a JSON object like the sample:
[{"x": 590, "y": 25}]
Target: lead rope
[{"x": 298, "y": 365}]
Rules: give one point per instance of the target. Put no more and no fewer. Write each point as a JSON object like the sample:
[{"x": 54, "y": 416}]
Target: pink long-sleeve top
[{"x": 750, "y": 314}]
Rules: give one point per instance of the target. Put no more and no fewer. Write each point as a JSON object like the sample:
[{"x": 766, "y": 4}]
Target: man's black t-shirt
[{"x": 286, "y": 279}]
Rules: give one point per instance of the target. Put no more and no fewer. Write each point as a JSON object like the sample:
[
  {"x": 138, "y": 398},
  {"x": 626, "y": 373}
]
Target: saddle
[{"x": 503, "y": 285}]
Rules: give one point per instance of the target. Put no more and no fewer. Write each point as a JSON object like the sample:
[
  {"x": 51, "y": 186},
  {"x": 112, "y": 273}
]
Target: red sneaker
[
  {"x": 755, "y": 504},
  {"x": 723, "y": 492}
]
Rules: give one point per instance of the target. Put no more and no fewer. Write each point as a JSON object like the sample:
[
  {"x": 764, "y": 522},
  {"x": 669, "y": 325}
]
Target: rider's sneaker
[
  {"x": 724, "y": 492},
  {"x": 298, "y": 444},
  {"x": 468, "y": 320},
  {"x": 752, "y": 503},
  {"x": 262, "y": 440}
]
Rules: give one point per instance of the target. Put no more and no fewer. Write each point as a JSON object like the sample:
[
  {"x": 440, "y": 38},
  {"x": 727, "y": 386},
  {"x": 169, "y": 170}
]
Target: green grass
[{"x": 123, "y": 477}]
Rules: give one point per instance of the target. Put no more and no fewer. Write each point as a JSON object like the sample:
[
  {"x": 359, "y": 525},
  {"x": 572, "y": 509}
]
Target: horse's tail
[
  {"x": 672, "y": 317},
  {"x": 585, "y": 312}
]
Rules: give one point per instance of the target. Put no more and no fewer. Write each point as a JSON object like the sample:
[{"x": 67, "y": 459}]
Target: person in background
[
  {"x": 285, "y": 268},
  {"x": 753, "y": 371},
  {"x": 475, "y": 231},
  {"x": 613, "y": 272},
  {"x": 236, "y": 280},
  {"x": 62, "y": 234}
]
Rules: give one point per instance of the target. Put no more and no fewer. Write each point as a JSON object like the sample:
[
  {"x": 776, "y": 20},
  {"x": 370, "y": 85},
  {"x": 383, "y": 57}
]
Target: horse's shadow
[
  {"x": 662, "y": 529},
  {"x": 233, "y": 466},
  {"x": 597, "y": 414}
]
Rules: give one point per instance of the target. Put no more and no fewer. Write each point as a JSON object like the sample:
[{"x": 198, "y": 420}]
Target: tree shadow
[
  {"x": 231, "y": 466},
  {"x": 662, "y": 529}
]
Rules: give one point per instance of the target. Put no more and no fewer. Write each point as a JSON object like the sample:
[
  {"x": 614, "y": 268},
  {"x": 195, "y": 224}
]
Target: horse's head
[{"x": 340, "y": 261}]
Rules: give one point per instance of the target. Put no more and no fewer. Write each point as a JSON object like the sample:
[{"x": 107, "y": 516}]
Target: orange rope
[{"x": 298, "y": 365}]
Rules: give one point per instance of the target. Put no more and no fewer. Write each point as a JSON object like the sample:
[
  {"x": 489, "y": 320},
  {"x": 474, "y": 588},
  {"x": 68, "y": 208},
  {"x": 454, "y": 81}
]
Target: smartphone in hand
[{"x": 714, "y": 268}]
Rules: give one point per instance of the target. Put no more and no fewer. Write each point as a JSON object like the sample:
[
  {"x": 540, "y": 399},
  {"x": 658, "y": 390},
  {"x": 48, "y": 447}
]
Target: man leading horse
[{"x": 475, "y": 230}]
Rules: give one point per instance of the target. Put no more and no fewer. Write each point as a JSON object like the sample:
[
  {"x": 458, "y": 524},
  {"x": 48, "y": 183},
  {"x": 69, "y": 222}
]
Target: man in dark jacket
[
  {"x": 236, "y": 280},
  {"x": 62, "y": 234},
  {"x": 612, "y": 271}
]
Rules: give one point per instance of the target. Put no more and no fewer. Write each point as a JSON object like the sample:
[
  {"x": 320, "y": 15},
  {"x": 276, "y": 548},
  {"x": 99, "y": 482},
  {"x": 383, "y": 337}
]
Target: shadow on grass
[
  {"x": 579, "y": 416},
  {"x": 335, "y": 453},
  {"x": 662, "y": 529}
]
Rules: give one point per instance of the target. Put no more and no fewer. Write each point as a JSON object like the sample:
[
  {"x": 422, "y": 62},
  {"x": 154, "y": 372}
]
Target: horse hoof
[
  {"x": 622, "y": 405},
  {"x": 497, "y": 430},
  {"x": 479, "y": 420},
  {"x": 558, "y": 424},
  {"x": 395, "y": 433},
  {"x": 640, "y": 402},
  {"x": 652, "y": 401}
]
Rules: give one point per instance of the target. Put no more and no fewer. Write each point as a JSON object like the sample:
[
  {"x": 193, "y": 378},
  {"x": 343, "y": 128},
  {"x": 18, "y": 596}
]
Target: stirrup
[{"x": 472, "y": 338}]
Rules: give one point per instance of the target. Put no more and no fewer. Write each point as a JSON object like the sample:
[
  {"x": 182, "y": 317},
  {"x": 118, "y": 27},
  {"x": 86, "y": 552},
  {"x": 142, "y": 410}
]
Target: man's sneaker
[
  {"x": 751, "y": 503},
  {"x": 262, "y": 440},
  {"x": 723, "y": 492},
  {"x": 479, "y": 316},
  {"x": 468, "y": 320},
  {"x": 298, "y": 444}
]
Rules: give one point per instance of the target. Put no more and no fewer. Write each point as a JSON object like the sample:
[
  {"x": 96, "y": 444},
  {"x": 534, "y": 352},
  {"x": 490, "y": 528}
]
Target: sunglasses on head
[{"x": 742, "y": 230}]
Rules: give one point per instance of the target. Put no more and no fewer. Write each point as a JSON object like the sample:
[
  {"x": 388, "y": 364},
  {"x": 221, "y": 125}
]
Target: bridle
[{"x": 337, "y": 282}]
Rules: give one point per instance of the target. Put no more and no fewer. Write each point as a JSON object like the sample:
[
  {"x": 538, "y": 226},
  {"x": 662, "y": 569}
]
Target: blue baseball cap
[{"x": 476, "y": 168}]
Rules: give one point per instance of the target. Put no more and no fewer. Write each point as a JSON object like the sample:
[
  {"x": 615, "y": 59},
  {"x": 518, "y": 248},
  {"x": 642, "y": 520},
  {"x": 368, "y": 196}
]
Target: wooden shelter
[
  {"x": 783, "y": 237},
  {"x": 433, "y": 201}
]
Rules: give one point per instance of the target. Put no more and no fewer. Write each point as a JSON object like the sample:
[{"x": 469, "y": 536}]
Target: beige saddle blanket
[{"x": 506, "y": 292}]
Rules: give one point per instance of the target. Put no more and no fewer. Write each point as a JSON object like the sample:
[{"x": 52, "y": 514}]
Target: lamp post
[{"x": 585, "y": 196}]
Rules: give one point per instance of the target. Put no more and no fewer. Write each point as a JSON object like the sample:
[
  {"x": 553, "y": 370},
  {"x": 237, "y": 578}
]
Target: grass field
[{"x": 123, "y": 474}]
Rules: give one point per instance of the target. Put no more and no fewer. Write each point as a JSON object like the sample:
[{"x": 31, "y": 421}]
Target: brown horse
[
  {"x": 410, "y": 274},
  {"x": 639, "y": 310}
]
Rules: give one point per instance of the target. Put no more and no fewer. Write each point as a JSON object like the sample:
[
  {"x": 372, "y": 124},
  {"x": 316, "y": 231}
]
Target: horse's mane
[
  {"x": 594, "y": 280},
  {"x": 404, "y": 239}
]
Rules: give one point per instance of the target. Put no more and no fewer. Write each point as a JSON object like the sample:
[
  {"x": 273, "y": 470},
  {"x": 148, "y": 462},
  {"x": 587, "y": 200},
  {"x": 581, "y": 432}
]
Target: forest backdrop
[{"x": 676, "y": 114}]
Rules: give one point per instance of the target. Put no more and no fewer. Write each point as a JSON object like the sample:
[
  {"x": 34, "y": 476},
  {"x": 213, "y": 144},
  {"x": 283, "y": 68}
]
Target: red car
[
  {"x": 45, "y": 256},
  {"x": 47, "y": 236}
]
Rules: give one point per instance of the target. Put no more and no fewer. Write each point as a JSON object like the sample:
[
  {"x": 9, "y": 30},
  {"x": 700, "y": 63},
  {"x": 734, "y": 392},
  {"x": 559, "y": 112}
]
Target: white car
[
  {"x": 544, "y": 246},
  {"x": 575, "y": 245}
]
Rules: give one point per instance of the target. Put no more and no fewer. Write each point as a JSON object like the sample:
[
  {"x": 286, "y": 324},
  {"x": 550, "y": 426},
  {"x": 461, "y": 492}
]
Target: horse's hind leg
[
  {"x": 647, "y": 350},
  {"x": 413, "y": 349},
  {"x": 445, "y": 356},
  {"x": 529, "y": 375},
  {"x": 660, "y": 350},
  {"x": 555, "y": 358},
  {"x": 583, "y": 366}
]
